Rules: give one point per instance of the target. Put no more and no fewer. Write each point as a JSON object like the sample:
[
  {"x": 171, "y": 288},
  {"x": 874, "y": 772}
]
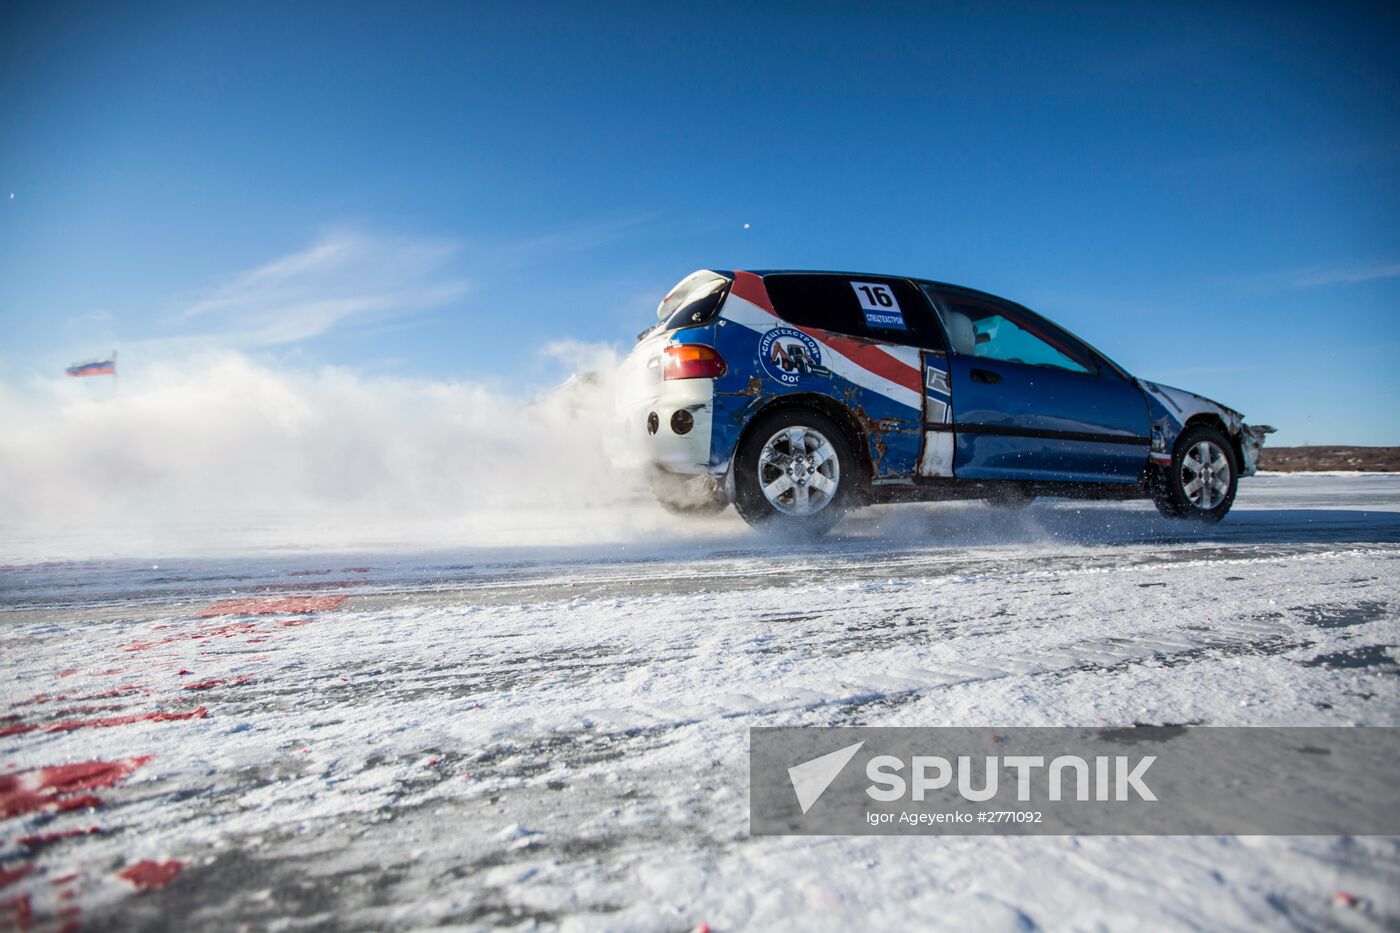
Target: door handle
[{"x": 985, "y": 375}]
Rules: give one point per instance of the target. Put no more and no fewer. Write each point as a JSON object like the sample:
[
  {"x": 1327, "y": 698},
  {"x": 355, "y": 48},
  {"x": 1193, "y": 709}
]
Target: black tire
[
  {"x": 687, "y": 495},
  {"x": 749, "y": 498},
  {"x": 1171, "y": 491}
]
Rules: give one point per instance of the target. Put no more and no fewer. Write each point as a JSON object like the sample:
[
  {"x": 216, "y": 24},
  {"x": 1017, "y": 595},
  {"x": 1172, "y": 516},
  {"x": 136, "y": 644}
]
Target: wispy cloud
[
  {"x": 1319, "y": 275},
  {"x": 344, "y": 276},
  {"x": 1345, "y": 275},
  {"x": 549, "y": 245}
]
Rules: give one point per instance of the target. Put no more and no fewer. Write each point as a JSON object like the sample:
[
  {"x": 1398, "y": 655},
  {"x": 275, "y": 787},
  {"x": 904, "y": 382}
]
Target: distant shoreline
[{"x": 1329, "y": 458}]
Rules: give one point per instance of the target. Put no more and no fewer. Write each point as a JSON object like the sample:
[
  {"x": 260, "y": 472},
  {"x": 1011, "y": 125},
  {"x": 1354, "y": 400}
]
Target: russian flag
[{"x": 94, "y": 368}]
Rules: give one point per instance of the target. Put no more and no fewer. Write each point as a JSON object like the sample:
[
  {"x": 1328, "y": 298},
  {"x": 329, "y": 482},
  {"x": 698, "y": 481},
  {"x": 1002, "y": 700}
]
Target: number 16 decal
[{"x": 879, "y": 304}]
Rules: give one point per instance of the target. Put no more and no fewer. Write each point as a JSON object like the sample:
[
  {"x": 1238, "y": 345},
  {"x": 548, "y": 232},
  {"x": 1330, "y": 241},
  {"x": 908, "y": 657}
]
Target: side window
[
  {"x": 868, "y": 306},
  {"x": 995, "y": 330}
]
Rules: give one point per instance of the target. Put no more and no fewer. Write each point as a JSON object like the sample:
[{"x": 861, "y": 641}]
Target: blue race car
[{"x": 798, "y": 395}]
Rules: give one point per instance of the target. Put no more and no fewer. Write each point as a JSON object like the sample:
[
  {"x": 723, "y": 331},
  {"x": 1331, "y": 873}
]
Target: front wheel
[
  {"x": 794, "y": 473},
  {"x": 1200, "y": 484}
]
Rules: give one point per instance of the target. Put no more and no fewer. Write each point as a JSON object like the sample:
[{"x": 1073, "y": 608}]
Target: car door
[{"x": 1030, "y": 402}]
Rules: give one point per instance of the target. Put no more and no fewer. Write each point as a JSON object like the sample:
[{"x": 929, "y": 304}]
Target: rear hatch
[{"x": 694, "y": 302}]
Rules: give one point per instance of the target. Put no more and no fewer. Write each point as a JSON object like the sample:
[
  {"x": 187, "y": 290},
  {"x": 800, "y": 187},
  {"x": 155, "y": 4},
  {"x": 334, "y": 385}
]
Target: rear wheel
[
  {"x": 794, "y": 473},
  {"x": 1200, "y": 484}
]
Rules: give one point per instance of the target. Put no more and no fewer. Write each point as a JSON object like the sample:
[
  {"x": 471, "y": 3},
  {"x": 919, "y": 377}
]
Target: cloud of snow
[{"x": 226, "y": 443}]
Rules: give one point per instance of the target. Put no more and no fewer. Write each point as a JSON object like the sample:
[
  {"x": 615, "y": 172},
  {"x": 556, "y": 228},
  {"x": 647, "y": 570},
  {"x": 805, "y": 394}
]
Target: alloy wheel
[
  {"x": 1205, "y": 475},
  {"x": 798, "y": 471}
]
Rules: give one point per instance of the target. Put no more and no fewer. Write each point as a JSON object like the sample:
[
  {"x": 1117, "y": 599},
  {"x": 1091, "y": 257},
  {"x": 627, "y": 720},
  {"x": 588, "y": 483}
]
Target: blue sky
[{"x": 1211, "y": 196}]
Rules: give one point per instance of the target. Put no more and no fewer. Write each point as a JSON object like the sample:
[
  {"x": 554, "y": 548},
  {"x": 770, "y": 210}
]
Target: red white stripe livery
[{"x": 892, "y": 371}]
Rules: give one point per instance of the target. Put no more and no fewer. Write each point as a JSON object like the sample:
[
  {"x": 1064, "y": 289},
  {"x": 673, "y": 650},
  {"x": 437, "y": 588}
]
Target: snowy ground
[{"x": 557, "y": 735}]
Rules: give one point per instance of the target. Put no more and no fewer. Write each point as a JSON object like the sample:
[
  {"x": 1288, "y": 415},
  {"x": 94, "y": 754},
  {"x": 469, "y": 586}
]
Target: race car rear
[{"x": 665, "y": 399}]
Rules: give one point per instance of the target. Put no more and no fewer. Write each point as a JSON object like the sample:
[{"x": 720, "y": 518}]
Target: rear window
[
  {"x": 870, "y": 306},
  {"x": 694, "y": 300}
]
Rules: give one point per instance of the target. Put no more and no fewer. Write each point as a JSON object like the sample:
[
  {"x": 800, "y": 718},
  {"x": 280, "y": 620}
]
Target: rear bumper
[{"x": 666, "y": 447}]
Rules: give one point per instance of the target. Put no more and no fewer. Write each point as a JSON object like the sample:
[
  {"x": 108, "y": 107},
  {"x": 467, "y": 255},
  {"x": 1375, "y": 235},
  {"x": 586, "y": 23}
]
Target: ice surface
[{"x": 557, "y": 733}]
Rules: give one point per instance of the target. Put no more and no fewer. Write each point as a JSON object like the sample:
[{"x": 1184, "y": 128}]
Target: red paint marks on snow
[
  {"x": 224, "y": 631},
  {"x": 218, "y": 682},
  {"x": 9, "y": 876},
  {"x": 59, "y": 787},
  {"x": 1346, "y": 899},
  {"x": 41, "y": 698},
  {"x": 68, "y": 672},
  {"x": 87, "y": 708},
  {"x": 19, "y": 912},
  {"x": 89, "y": 775},
  {"x": 126, "y": 720},
  {"x": 69, "y": 725},
  {"x": 354, "y": 570},
  {"x": 228, "y": 630},
  {"x": 149, "y": 874},
  {"x": 182, "y": 672},
  {"x": 122, "y": 691},
  {"x": 44, "y": 839},
  {"x": 293, "y": 623},
  {"x": 64, "y": 879},
  {"x": 272, "y": 605}
]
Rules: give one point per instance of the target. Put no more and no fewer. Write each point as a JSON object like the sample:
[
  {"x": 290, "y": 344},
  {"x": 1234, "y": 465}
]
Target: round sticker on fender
[
  {"x": 878, "y": 303},
  {"x": 787, "y": 355}
]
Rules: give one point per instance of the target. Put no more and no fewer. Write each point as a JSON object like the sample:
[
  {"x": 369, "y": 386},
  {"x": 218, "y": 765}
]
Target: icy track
[{"x": 559, "y": 737}]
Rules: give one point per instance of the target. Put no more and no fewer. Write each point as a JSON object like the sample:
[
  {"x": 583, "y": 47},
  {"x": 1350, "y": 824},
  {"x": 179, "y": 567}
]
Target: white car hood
[{"x": 1183, "y": 405}]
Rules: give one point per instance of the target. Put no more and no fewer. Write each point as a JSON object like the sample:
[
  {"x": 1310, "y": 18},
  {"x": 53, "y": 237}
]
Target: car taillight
[{"x": 692, "y": 361}]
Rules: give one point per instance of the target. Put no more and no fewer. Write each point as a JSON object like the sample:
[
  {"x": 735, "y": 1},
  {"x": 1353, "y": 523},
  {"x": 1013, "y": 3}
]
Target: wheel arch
[
  {"x": 1217, "y": 422},
  {"x": 856, "y": 435}
]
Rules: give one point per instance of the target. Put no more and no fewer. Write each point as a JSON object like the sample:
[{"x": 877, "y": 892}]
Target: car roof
[{"x": 879, "y": 275}]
